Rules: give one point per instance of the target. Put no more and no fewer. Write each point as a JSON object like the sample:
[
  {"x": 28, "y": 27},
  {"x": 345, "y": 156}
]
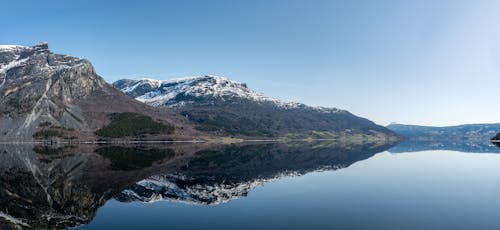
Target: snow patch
[
  {"x": 10, "y": 47},
  {"x": 164, "y": 92},
  {"x": 13, "y": 64},
  {"x": 8, "y": 66}
]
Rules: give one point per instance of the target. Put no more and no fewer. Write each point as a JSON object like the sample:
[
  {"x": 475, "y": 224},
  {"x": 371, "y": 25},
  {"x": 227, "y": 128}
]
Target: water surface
[{"x": 257, "y": 186}]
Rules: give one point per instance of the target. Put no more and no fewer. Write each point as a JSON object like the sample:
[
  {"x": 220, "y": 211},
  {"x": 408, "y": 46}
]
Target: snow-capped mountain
[
  {"x": 199, "y": 90},
  {"x": 158, "y": 92},
  {"x": 221, "y": 105}
]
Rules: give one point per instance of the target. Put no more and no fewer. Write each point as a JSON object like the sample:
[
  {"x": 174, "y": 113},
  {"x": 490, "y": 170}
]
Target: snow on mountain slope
[
  {"x": 226, "y": 107},
  {"x": 204, "y": 90}
]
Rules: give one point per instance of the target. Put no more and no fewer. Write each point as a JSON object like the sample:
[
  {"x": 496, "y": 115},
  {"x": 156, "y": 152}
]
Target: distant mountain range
[
  {"x": 469, "y": 132},
  {"x": 464, "y": 138},
  {"x": 225, "y": 107},
  {"x": 60, "y": 97}
]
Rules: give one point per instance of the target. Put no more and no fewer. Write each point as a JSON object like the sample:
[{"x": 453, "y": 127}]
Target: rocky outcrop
[
  {"x": 39, "y": 86},
  {"x": 54, "y": 93}
]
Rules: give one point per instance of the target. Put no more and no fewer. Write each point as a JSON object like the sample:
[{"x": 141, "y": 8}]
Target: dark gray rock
[{"x": 39, "y": 87}]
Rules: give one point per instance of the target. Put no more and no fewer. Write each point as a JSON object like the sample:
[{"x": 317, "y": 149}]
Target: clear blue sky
[{"x": 418, "y": 62}]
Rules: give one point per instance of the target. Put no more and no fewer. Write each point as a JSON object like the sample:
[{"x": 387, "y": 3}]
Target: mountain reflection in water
[{"x": 47, "y": 187}]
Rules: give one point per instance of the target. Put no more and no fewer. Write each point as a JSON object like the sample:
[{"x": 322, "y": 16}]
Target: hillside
[{"x": 225, "y": 107}]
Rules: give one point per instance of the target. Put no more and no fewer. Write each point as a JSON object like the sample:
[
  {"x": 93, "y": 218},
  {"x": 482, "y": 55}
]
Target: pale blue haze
[{"x": 419, "y": 62}]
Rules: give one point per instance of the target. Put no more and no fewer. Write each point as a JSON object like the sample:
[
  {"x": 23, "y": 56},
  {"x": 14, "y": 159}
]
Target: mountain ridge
[
  {"x": 451, "y": 135},
  {"x": 151, "y": 91},
  {"x": 227, "y": 107}
]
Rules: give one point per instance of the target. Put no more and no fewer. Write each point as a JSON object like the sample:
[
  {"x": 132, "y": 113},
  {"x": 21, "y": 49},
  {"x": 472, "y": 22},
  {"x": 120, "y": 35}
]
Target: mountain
[
  {"x": 464, "y": 138},
  {"x": 225, "y": 107},
  {"x": 460, "y": 133},
  {"x": 46, "y": 95}
]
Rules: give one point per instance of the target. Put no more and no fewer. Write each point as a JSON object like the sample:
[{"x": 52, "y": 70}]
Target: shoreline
[{"x": 214, "y": 141}]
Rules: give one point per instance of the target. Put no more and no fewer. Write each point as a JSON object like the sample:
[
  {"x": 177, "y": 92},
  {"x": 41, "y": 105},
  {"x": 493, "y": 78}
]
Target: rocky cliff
[{"x": 47, "y": 95}]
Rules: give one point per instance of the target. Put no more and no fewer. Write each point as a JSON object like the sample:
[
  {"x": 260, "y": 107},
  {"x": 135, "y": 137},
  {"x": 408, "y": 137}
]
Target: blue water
[{"x": 416, "y": 190}]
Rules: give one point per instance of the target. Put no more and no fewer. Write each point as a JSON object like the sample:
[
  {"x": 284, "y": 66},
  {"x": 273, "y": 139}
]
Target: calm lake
[{"x": 324, "y": 185}]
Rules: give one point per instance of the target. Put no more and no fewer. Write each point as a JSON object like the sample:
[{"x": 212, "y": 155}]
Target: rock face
[
  {"x": 40, "y": 88},
  {"x": 227, "y": 107}
]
